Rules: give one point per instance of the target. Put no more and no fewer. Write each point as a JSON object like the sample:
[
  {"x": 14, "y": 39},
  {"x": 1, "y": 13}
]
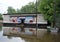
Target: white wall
[
  {"x": 6, "y": 18},
  {"x": 40, "y": 19}
]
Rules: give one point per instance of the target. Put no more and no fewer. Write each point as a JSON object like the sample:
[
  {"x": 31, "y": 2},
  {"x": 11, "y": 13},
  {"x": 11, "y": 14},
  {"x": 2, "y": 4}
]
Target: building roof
[{"x": 19, "y": 13}]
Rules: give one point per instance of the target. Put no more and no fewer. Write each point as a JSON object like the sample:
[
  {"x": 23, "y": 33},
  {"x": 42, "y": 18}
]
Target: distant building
[{"x": 29, "y": 20}]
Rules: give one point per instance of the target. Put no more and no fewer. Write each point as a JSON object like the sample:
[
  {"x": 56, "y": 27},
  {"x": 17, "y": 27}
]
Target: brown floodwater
[{"x": 48, "y": 37}]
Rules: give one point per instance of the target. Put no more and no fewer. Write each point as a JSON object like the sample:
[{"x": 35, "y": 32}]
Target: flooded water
[{"x": 47, "y": 37}]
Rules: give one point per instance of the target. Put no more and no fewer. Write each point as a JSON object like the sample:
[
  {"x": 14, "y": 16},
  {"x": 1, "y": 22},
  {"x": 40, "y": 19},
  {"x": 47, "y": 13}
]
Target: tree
[
  {"x": 46, "y": 7},
  {"x": 18, "y": 11},
  {"x": 11, "y": 10},
  {"x": 58, "y": 13},
  {"x": 30, "y": 8}
]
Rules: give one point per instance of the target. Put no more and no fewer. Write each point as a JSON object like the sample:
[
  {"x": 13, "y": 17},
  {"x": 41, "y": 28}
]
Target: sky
[{"x": 14, "y": 3}]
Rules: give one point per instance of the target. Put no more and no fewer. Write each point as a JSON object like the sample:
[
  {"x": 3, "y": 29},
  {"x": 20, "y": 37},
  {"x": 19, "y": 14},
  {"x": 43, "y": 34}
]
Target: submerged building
[{"x": 30, "y": 20}]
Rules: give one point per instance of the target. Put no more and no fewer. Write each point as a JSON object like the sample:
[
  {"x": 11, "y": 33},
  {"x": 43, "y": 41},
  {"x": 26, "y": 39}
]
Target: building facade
[{"x": 30, "y": 20}]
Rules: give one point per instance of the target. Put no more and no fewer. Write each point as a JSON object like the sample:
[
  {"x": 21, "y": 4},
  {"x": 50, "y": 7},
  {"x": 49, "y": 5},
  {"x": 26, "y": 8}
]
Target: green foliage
[
  {"x": 18, "y": 11},
  {"x": 58, "y": 6},
  {"x": 11, "y": 10},
  {"x": 46, "y": 7},
  {"x": 30, "y": 8}
]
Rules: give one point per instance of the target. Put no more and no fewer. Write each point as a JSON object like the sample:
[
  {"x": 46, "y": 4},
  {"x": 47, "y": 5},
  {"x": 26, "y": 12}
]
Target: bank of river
[{"x": 47, "y": 37}]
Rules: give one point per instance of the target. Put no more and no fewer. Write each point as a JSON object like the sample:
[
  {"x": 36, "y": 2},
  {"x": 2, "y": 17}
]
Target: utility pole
[
  {"x": 36, "y": 19},
  {"x": 54, "y": 13}
]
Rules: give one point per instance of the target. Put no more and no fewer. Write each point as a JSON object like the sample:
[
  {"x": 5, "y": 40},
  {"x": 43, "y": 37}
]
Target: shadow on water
[{"x": 48, "y": 37}]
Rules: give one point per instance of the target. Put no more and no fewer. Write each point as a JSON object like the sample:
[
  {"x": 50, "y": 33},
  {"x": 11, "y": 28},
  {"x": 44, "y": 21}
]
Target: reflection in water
[
  {"x": 9, "y": 38},
  {"x": 14, "y": 38},
  {"x": 46, "y": 38}
]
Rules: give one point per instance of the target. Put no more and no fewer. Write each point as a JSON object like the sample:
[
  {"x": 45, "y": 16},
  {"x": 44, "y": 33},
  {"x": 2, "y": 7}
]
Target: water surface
[{"x": 48, "y": 37}]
